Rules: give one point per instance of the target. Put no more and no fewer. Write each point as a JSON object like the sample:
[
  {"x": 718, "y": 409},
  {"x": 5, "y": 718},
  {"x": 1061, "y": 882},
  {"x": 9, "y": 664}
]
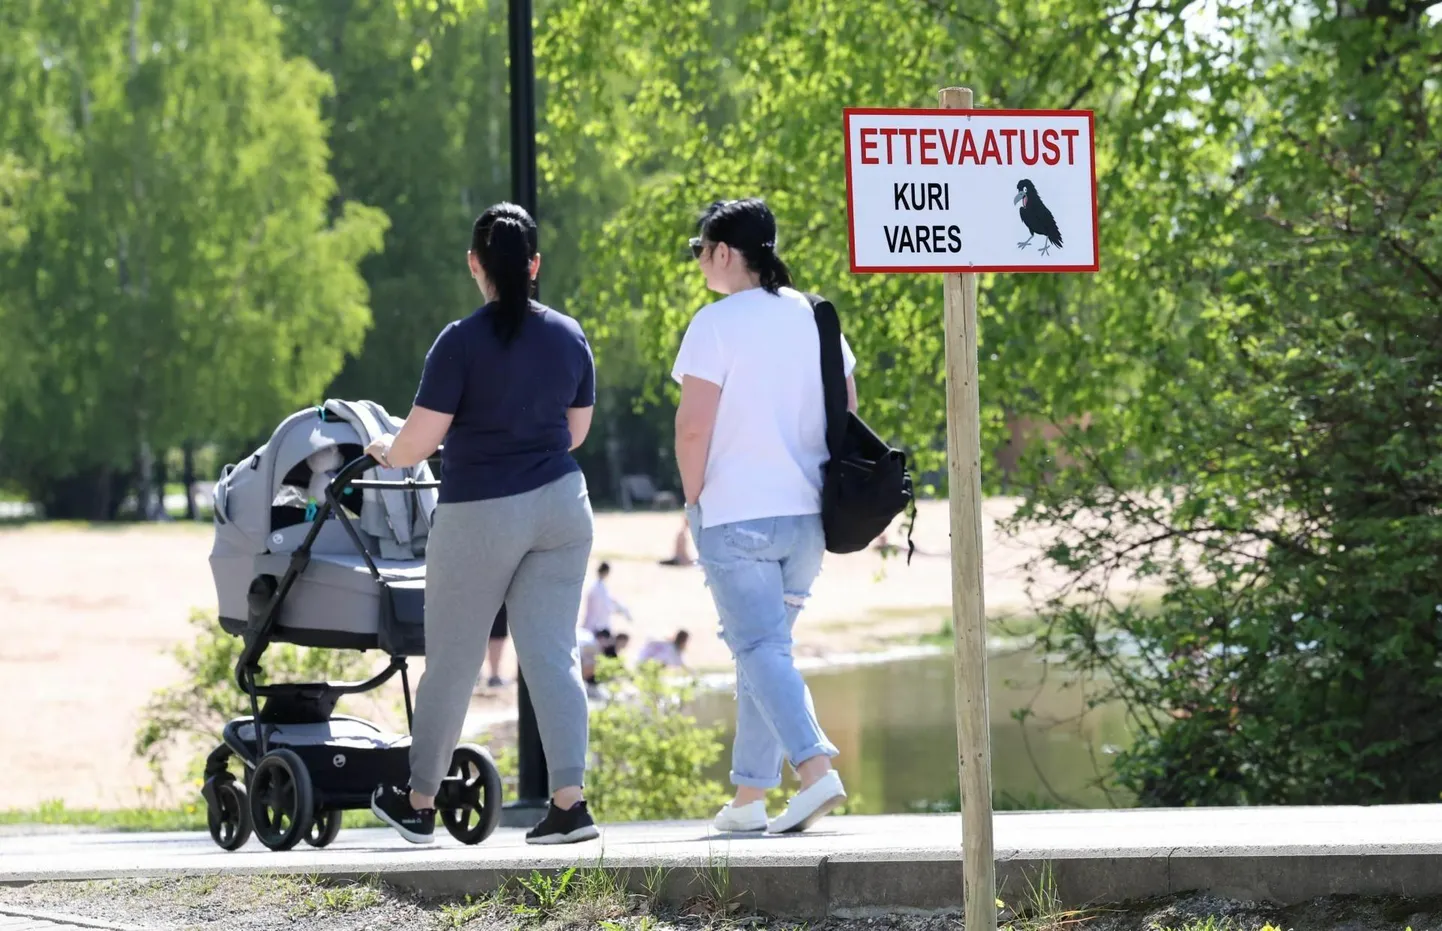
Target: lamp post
[{"x": 533, "y": 791}]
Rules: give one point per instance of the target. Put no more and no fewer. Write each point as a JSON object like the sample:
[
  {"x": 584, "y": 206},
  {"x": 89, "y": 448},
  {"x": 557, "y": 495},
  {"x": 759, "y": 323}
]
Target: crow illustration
[{"x": 1037, "y": 218}]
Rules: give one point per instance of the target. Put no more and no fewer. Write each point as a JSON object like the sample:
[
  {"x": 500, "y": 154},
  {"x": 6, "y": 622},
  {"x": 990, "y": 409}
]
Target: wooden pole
[{"x": 973, "y": 720}]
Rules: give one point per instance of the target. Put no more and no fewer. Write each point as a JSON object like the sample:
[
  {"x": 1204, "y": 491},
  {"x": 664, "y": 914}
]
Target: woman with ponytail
[
  {"x": 510, "y": 389},
  {"x": 751, "y": 444}
]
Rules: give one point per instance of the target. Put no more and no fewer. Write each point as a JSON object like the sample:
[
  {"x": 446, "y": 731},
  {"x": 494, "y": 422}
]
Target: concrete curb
[
  {"x": 850, "y": 887},
  {"x": 857, "y": 865}
]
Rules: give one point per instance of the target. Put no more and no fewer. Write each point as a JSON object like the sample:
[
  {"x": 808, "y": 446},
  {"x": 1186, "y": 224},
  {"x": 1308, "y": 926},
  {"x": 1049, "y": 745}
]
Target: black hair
[
  {"x": 504, "y": 240},
  {"x": 682, "y": 636},
  {"x": 603, "y": 568},
  {"x": 749, "y": 227}
]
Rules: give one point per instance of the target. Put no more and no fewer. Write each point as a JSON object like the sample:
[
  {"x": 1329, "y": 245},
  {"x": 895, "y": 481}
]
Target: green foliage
[
  {"x": 184, "y": 720},
  {"x": 648, "y": 754},
  {"x": 708, "y": 100},
  {"x": 574, "y": 897},
  {"x": 191, "y": 817},
  {"x": 1277, "y": 469},
  {"x": 189, "y": 264},
  {"x": 312, "y": 898}
]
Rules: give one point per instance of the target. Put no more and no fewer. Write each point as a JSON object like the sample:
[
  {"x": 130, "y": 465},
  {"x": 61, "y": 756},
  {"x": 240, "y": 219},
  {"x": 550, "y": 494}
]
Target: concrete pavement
[
  {"x": 24, "y": 919},
  {"x": 852, "y": 864}
]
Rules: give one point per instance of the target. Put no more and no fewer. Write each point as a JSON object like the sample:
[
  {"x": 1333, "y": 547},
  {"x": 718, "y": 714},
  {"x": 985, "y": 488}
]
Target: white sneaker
[
  {"x": 746, "y": 818},
  {"x": 810, "y": 805}
]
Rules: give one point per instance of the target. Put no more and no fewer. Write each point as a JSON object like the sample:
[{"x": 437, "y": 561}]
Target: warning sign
[{"x": 971, "y": 190}]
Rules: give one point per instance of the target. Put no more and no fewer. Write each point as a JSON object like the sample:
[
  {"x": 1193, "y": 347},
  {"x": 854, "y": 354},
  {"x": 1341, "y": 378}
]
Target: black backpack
[{"x": 865, "y": 484}]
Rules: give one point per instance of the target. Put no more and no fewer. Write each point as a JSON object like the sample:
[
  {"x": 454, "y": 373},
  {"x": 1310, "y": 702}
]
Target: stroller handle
[{"x": 349, "y": 473}]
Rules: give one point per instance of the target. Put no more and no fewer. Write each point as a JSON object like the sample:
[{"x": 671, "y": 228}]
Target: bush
[
  {"x": 187, "y": 718},
  {"x": 1277, "y": 467},
  {"x": 648, "y": 755}
]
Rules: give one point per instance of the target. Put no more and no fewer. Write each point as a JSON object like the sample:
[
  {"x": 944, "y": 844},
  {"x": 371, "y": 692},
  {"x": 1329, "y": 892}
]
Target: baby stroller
[{"x": 310, "y": 553}]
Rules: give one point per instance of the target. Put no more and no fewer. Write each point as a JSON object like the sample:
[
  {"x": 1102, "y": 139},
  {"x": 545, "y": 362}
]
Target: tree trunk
[
  {"x": 159, "y": 511},
  {"x": 187, "y": 478},
  {"x": 94, "y": 494}
]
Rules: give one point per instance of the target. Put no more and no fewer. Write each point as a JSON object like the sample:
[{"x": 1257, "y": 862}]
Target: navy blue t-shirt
[{"x": 509, "y": 435}]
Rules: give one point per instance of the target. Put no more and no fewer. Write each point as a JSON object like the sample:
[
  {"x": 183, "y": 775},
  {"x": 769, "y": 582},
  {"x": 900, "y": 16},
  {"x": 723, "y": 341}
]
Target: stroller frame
[{"x": 288, "y": 795}]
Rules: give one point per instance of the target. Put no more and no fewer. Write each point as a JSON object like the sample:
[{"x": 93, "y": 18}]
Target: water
[{"x": 894, "y": 725}]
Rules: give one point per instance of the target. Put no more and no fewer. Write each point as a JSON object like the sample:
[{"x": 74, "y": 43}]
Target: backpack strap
[
  {"x": 833, "y": 372},
  {"x": 833, "y": 386}
]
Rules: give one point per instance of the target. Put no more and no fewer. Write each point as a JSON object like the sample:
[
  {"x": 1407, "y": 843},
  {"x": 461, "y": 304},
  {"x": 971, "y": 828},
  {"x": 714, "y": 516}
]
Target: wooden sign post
[
  {"x": 959, "y": 191},
  {"x": 963, "y": 454}
]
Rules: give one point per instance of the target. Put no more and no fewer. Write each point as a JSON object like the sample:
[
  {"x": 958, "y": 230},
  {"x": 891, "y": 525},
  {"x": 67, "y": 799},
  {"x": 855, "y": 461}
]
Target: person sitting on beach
[
  {"x": 681, "y": 554},
  {"x": 665, "y": 652}
]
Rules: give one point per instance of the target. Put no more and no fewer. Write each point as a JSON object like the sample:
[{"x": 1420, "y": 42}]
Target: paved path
[{"x": 1284, "y": 855}]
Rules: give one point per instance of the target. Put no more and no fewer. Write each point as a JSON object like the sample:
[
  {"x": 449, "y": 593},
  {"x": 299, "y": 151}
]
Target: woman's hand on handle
[{"x": 423, "y": 431}]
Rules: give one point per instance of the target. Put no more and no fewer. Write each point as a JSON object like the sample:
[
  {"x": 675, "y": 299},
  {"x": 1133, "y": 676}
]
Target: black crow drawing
[{"x": 1037, "y": 218}]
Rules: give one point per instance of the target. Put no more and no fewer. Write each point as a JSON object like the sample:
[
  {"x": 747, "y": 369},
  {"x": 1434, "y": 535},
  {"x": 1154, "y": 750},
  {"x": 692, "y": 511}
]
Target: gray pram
[{"x": 309, "y": 552}]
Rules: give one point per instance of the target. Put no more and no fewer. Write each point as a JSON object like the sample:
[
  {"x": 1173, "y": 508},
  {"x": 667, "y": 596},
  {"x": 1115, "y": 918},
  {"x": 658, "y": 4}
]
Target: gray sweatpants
[{"x": 528, "y": 551}]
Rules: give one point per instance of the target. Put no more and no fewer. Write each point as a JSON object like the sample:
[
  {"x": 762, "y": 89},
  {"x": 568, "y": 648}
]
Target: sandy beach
[{"x": 90, "y": 617}]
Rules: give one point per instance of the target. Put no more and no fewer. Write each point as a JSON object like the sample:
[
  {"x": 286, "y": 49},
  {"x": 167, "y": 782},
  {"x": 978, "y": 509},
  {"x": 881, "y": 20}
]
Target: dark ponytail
[
  {"x": 749, "y": 227},
  {"x": 504, "y": 240},
  {"x": 774, "y": 273}
]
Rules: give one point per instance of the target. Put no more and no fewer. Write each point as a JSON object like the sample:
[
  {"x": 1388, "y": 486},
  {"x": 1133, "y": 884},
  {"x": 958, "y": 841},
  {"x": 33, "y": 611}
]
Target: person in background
[
  {"x": 495, "y": 650},
  {"x": 510, "y": 390},
  {"x": 681, "y": 552},
  {"x": 750, "y": 446},
  {"x": 665, "y": 652},
  {"x": 617, "y": 645},
  {"x": 600, "y": 605},
  {"x": 592, "y": 648}
]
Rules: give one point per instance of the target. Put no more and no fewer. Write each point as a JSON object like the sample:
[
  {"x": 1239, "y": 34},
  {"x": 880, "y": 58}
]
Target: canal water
[{"x": 895, "y": 726}]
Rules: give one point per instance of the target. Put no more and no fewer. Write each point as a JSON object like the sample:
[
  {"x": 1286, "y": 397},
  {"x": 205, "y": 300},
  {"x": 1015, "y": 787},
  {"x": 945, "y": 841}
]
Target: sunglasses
[{"x": 697, "y": 247}]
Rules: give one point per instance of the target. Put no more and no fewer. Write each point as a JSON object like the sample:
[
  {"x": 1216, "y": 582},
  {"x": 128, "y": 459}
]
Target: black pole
[
  {"x": 533, "y": 787},
  {"x": 187, "y": 479}
]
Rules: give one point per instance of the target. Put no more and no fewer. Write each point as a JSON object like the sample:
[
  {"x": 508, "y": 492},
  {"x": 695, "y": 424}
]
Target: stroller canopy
[{"x": 265, "y": 503}]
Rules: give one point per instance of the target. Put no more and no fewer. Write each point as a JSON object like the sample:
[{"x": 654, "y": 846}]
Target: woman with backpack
[
  {"x": 751, "y": 446},
  {"x": 510, "y": 389}
]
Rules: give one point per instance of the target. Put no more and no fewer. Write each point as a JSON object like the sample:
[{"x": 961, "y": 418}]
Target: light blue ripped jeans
[{"x": 760, "y": 574}]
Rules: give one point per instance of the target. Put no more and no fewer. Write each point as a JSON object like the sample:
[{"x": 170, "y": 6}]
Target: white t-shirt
[
  {"x": 660, "y": 651},
  {"x": 769, "y": 443},
  {"x": 599, "y": 606}
]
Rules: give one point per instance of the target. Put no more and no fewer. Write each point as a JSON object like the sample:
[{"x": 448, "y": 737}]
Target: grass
[
  {"x": 459, "y": 914},
  {"x": 581, "y": 897},
  {"x": 1041, "y": 908},
  {"x": 186, "y": 818},
  {"x": 1020, "y": 626},
  {"x": 55, "y": 812},
  {"x": 309, "y": 896}
]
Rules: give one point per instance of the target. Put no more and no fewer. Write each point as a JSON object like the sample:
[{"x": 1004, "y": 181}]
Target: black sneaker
[
  {"x": 564, "y": 827},
  {"x": 392, "y": 804}
]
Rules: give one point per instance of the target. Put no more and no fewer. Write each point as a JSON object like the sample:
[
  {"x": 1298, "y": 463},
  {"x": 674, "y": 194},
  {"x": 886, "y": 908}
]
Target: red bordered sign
[{"x": 971, "y": 190}]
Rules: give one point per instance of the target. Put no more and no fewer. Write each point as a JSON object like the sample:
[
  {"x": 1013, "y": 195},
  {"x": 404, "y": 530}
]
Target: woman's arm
[
  {"x": 695, "y": 419},
  {"x": 423, "y": 431},
  {"x": 578, "y": 419},
  {"x": 851, "y": 402}
]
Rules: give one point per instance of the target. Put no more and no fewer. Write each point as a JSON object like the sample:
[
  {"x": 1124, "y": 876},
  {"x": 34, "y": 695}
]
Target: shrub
[
  {"x": 648, "y": 754},
  {"x": 186, "y": 718}
]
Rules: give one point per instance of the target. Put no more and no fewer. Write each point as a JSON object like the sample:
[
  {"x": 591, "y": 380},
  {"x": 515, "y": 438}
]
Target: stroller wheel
[
  {"x": 470, "y": 796},
  {"x": 282, "y": 804},
  {"x": 227, "y": 814},
  {"x": 324, "y": 828}
]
